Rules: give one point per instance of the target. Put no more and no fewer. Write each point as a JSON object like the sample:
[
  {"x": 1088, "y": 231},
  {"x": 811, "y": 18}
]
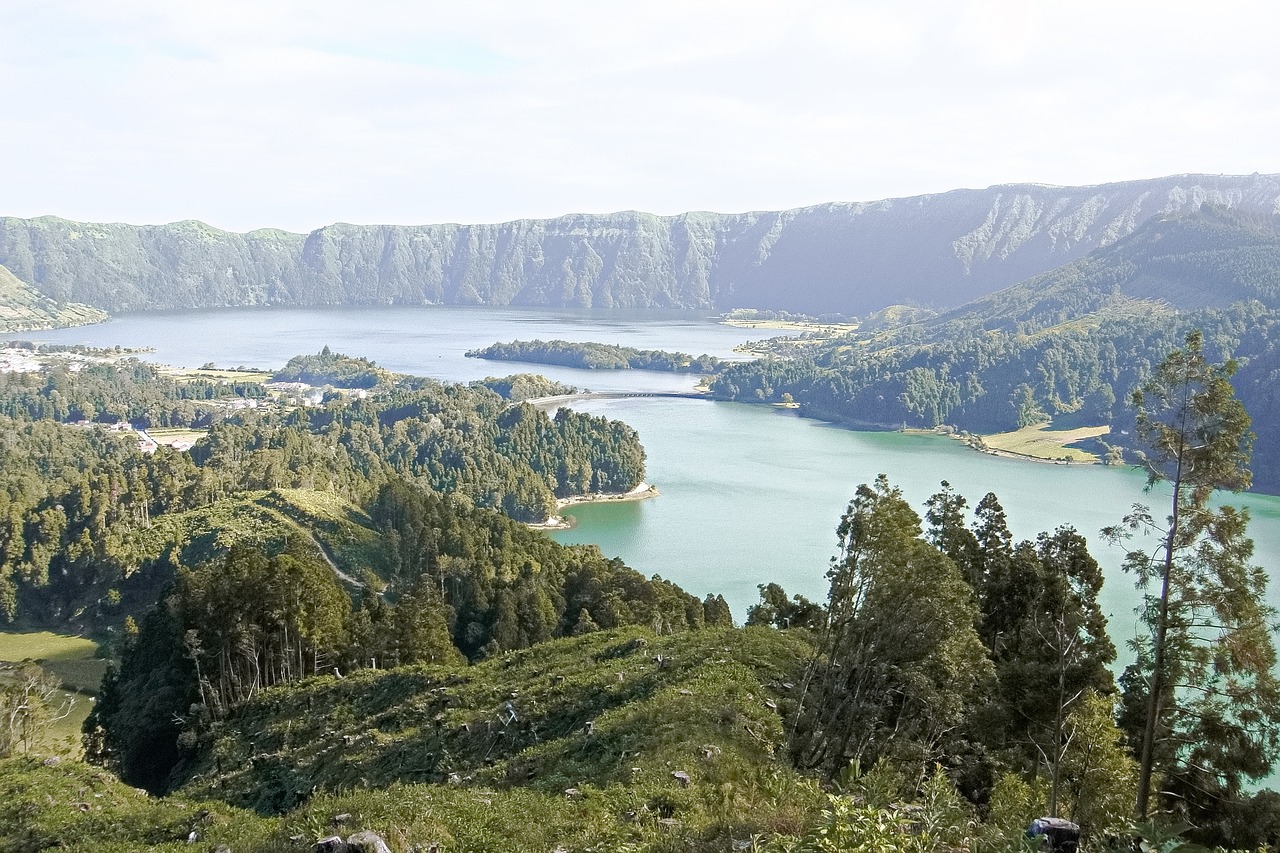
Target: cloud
[{"x": 298, "y": 114}]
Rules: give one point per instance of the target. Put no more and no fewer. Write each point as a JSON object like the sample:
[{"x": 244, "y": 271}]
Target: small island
[{"x": 597, "y": 356}]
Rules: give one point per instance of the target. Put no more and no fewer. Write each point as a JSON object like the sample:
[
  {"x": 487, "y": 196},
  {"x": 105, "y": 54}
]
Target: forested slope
[
  {"x": 935, "y": 250},
  {"x": 86, "y": 517},
  {"x": 1066, "y": 347}
]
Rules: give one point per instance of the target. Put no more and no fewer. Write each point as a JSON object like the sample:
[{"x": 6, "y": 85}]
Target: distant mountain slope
[
  {"x": 23, "y": 308},
  {"x": 1067, "y": 346},
  {"x": 934, "y": 250},
  {"x": 1210, "y": 258}
]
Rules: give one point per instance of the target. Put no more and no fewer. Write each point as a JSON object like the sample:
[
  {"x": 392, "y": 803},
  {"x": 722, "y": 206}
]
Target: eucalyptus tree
[
  {"x": 1041, "y": 624},
  {"x": 1201, "y": 698},
  {"x": 900, "y": 662}
]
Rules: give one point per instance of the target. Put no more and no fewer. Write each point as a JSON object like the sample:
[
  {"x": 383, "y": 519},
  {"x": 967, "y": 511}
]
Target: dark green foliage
[
  {"x": 331, "y": 368},
  {"x": 508, "y": 587},
  {"x": 777, "y": 610},
  {"x": 593, "y": 356},
  {"x": 463, "y": 581},
  {"x": 900, "y": 664},
  {"x": 1202, "y": 697},
  {"x": 1041, "y": 623},
  {"x": 716, "y": 612},
  {"x": 82, "y": 510},
  {"x": 525, "y": 386},
  {"x": 135, "y": 723},
  {"x": 126, "y": 391}
]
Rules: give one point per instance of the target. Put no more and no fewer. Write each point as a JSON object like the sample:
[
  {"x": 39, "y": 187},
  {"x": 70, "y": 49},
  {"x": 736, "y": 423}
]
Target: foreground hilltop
[{"x": 935, "y": 250}]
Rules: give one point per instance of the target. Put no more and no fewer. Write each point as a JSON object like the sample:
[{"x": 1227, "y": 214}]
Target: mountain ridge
[{"x": 937, "y": 250}]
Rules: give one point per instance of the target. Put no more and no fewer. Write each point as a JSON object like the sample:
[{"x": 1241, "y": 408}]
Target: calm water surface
[
  {"x": 421, "y": 340},
  {"x": 749, "y": 494}
]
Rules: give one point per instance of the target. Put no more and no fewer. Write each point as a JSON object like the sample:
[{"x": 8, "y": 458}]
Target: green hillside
[
  {"x": 24, "y": 309},
  {"x": 613, "y": 715},
  {"x": 1064, "y": 348},
  {"x": 939, "y": 250},
  {"x": 685, "y": 751}
]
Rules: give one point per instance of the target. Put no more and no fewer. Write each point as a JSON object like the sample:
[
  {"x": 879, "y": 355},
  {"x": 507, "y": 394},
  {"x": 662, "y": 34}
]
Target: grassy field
[
  {"x": 169, "y": 435},
  {"x": 1040, "y": 442},
  {"x": 72, "y": 661},
  {"x": 215, "y": 374},
  {"x": 828, "y": 329}
]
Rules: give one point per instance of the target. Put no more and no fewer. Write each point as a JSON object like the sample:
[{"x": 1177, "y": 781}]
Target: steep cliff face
[
  {"x": 934, "y": 250},
  {"x": 24, "y": 309}
]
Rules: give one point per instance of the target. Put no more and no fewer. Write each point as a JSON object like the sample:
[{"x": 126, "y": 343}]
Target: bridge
[{"x": 548, "y": 403}]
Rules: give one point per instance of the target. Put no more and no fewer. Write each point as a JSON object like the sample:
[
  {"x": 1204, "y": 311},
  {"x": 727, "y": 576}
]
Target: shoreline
[
  {"x": 998, "y": 452},
  {"x": 641, "y": 492}
]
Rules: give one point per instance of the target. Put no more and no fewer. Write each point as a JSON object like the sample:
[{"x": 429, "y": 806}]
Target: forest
[
  {"x": 81, "y": 508},
  {"x": 594, "y": 356},
  {"x": 330, "y": 617},
  {"x": 1067, "y": 347}
]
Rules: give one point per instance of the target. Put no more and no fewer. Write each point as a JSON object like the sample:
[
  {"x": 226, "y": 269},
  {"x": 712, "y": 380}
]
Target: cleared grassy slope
[{"x": 607, "y": 739}]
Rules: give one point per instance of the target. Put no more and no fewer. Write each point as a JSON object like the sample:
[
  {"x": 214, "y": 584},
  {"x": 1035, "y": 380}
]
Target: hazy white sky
[{"x": 251, "y": 113}]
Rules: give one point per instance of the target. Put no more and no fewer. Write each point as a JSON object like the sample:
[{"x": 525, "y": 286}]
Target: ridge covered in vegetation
[
  {"x": 1067, "y": 347},
  {"x": 23, "y": 308},
  {"x": 84, "y": 512},
  {"x": 939, "y": 250},
  {"x": 594, "y": 356}
]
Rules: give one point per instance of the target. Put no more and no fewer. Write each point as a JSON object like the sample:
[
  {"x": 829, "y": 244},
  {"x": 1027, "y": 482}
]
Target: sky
[{"x": 275, "y": 113}]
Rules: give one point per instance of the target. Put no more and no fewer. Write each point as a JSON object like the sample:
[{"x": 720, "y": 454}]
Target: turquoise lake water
[{"x": 749, "y": 494}]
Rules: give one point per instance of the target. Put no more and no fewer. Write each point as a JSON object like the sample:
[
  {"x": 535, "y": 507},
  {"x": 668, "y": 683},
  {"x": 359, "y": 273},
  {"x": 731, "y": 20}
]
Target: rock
[
  {"x": 51, "y": 761},
  {"x": 332, "y": 844},
  {"x": 366, "y": 842},
  {"x": 681, "y": 777},
  {"x": 340, "y": 819},
  {"x": 573, "y": 793}
]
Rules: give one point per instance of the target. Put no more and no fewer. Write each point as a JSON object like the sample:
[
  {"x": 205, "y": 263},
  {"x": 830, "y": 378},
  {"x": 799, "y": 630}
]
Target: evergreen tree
[
  {"x": 900, "y": 662},
  {"x": 1202, "y": 698}
]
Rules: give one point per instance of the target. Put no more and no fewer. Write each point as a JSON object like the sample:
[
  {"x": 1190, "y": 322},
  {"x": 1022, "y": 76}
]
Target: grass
[
  {"x": 686, "y": 753},
  {"x": 71, "y": 806},
  {"x": 1040, "y": 442},
  {"x": 269, "y": 518},
  {"x": 167, "y": 435},
  {"x": 72, "y": 661},
  {"x": 829, "y": 329},
  {"x": 45, "y": 646},
  {"x": 190, "y": 374}
]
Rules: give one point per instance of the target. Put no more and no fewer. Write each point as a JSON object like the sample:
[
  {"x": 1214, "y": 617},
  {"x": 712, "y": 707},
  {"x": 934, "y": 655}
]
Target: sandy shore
[{"x": 560, "y": 522}]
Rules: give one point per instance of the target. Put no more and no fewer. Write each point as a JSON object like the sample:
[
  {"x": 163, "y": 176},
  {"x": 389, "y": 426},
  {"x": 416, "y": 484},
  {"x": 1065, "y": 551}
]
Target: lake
[{"x": 750, "y": 494}]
